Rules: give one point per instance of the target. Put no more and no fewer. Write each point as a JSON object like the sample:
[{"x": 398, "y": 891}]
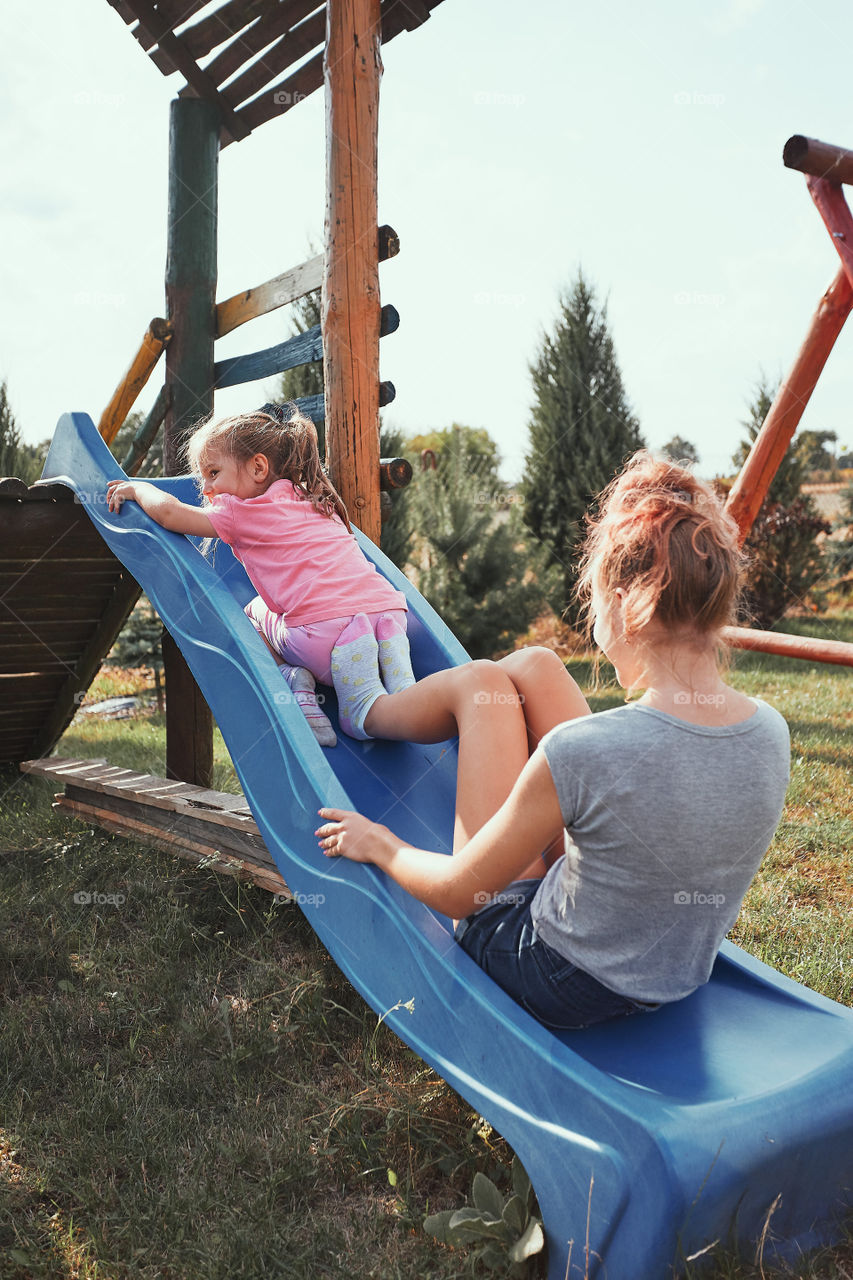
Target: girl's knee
[
  {"x": 532, "y": 661},
  {"x": 489, "y": 681}
]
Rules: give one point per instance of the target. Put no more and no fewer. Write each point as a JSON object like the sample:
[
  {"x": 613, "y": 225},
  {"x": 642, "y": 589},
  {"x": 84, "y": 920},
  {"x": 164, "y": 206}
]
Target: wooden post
[
  {"x": 768, "y": 448},
  {"x": 190, "y": 270},
  {"x": 350, "y": 311},
  {"x": 194, "y": 127}
]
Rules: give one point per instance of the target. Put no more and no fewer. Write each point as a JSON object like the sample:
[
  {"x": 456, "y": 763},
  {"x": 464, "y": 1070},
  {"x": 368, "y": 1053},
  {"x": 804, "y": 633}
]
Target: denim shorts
[{"x": 501, "y": 937}]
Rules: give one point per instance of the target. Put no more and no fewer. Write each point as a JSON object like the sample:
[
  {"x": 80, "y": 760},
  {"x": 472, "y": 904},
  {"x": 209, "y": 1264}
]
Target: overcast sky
[{"x": 641, "y": 142}]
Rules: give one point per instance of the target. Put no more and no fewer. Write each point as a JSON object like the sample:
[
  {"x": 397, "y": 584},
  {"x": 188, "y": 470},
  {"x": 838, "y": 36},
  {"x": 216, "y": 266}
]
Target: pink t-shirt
[{"x": 302, "y": 564}]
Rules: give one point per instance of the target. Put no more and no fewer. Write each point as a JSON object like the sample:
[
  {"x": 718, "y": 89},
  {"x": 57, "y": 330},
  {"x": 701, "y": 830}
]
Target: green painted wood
[{"x": 194, "y": 129}]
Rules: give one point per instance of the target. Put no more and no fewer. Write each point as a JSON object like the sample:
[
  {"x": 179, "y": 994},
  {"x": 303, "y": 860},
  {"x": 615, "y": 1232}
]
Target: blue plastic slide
[{"x": 646, "y": 1140}]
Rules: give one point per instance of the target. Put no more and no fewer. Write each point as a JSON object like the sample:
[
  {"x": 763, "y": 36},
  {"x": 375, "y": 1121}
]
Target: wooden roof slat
[
  {"x": 281, "y": 97},
  {"x": 296, "y": 44},
  {"x": 227, "y": 21},
  {"x": 255, "y": 38}
]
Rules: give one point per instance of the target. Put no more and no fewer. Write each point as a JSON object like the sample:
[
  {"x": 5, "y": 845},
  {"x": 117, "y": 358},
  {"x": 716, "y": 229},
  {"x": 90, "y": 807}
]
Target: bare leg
[
  {"x": 549, "y": 696},
  {"x": 477, "y": 702}
]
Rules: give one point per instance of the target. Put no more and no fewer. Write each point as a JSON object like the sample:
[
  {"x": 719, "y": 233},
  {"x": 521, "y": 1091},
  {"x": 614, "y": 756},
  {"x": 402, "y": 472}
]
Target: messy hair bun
[{"x": 663, "y": 537}]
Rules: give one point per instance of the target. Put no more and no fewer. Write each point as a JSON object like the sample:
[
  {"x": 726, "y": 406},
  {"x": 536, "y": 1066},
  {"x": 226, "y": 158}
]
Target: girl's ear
[{"x": 259, "y": 467}]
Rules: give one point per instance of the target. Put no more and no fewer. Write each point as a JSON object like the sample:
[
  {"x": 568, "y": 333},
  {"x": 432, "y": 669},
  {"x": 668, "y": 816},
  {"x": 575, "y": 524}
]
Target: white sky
[{"x": 640, "y": 141}]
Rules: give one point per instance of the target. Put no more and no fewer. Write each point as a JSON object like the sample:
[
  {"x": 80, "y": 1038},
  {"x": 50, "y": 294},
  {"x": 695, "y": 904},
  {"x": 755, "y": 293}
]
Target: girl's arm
[
  {"x": 527, "y": 822},
  {"x": 163, "y": 507}
]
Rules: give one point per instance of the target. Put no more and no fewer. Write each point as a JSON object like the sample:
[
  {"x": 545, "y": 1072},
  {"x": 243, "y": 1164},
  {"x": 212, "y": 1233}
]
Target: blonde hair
[
  {"x": 663, "y": 537},
  {"x": 288, "y": 441}
]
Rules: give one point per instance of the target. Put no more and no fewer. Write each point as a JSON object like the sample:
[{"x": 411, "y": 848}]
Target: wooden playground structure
[{"x": 66, "y": 596}]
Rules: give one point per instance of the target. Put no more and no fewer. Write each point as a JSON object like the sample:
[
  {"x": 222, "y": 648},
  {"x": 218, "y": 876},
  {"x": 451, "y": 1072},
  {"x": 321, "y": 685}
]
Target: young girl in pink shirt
[{"x": 268, "y": 497}]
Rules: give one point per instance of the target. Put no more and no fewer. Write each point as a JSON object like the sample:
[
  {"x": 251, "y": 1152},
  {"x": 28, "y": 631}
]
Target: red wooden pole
[
  {"x": 768, "y": 449},
  {"x": 351, "y": 311},
  {"x": 835, "y": 651}
]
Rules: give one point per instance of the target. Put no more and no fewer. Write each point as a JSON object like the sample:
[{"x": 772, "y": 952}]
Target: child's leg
[
  {"x": 395, "y": 663},
  {"x": 301, "y": 683},
  {"x": 278, "y": 638}
]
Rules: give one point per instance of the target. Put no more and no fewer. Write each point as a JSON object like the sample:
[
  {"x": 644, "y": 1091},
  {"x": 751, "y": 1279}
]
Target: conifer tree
[
  {"x": 582, "y": 429},
  {"x": 785, "y": 560}
]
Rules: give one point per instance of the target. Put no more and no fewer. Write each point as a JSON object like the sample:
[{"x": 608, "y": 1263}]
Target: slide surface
[{"x": 646, "y": 1139}]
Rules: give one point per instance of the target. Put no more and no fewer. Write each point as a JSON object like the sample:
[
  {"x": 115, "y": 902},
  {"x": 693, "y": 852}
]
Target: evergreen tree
[
  {"x": 473, "y": 561},
  {"x": 582, "y": 429},
  {"x": 24, "y": 461},
  {"x": 140, "y": 644},
  {"x": 785, "y": 559},
  {"x": 152, "y": 463},
  {"x": 680, "y": 450}
]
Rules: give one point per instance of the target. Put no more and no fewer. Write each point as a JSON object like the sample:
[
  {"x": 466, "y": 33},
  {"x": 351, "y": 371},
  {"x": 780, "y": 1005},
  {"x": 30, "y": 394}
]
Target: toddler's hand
[{"x": 118, "y": 491}]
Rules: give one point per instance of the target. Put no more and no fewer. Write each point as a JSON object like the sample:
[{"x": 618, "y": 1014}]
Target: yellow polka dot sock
[
  {"x": 355, "y": 674},
  {"x": 395, "y": 663}
]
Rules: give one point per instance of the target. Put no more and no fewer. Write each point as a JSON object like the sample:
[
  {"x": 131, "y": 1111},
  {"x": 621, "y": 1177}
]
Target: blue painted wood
[
  {"x": 314, "y": 407},
  {"x": 663, "y": 1133},
  {"x": 302, "y": 348}
]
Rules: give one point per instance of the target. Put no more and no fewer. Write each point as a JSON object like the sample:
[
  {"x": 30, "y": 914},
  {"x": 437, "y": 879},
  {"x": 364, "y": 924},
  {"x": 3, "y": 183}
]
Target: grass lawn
[{"x": 191, "y": 1090}]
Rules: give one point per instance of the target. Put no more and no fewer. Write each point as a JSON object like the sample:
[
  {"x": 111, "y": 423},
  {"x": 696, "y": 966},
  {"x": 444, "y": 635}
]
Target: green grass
[{"x": 190, "y": 1089}]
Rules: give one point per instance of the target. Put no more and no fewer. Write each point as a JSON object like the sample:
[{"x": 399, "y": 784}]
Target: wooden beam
[
  {"x": 769, "y": 446},
  {"x": 191, "y": 298},
  {"x": 289, "y": 287},
  {"x": 255, "y": 38},
  {"x": 820, "y": 159},
  {"x": 835, "y": 651},
  {"x": 263, "y": 298},
  {"x": 302, "y": 348},
  {"x": 832, "y": 207},
  {"x": 147, "y": 433},
  {"x": 288, "y": 50},
  {"x": 351, "y": 311},
  {"x": 154, "y": 343},
  {"x": 190, "y": 270},
  {"x": 189, "y": 723},
  {"x": 394, "y": 473},
  {"x": 187, "y": 65}
]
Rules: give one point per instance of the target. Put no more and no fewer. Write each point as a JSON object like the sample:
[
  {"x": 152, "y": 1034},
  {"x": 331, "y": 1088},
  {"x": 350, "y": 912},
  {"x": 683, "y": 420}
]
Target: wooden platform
[
  {"x": 64, "y": 597},
  {"x": 213, "y": 828}
]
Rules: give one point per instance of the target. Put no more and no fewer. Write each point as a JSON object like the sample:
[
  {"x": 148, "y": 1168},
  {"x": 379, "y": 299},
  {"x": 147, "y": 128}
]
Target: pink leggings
[{"x": 310, "y": 645}]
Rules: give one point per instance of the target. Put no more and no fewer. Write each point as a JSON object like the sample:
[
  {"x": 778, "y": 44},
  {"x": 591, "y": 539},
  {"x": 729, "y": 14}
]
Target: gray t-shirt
[{"x": 666, "y": 825}]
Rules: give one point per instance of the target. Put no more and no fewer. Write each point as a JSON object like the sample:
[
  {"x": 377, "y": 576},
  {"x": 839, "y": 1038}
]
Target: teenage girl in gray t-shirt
[{"x": 600, "y": 876}]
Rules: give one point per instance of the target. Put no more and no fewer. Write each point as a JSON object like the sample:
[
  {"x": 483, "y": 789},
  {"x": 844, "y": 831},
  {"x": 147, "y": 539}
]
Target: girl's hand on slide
[
  {"x": 349, "y": 835},
  {"x": 118, "y": 491}
]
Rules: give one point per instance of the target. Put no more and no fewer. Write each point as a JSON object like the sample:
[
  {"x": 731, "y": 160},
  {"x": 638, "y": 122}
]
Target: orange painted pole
[
  {"x": 769, "y": 446},
  {"x": 157, "y": 336},
  {"x": 351, "y": 312},
  {"x": 835, "y": 651}
]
